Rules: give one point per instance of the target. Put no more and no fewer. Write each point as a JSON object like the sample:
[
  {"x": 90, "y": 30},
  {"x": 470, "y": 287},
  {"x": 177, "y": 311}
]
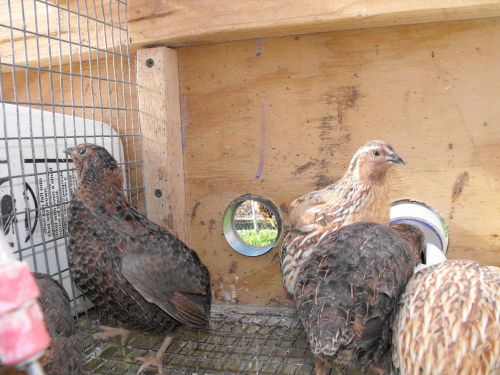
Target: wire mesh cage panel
[{"x": 67, "y": 77}]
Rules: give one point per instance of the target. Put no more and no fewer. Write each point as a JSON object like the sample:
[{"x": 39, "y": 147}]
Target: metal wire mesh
[
  {"x": 238, "y": 342},
  {"x": 254, "y": 215},
  {"x": 67, "y": 77}
]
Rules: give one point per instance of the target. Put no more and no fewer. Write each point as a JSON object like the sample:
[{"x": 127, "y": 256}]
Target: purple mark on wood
[
  {"x": 263, "y": 139},
  {"x": 259, "y": 47},
  {"x": 184, "y": 122}
]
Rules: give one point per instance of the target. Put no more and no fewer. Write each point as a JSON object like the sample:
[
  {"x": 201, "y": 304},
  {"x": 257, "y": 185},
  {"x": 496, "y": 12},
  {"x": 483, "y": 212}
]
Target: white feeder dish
[
  {"x": 430, "y": 222},
  {"x": 433, "y": 255}
]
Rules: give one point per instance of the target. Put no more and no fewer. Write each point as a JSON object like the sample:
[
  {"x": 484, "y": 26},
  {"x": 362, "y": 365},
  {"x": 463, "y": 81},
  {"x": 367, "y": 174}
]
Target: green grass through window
[{"x": 259, "y": 238}]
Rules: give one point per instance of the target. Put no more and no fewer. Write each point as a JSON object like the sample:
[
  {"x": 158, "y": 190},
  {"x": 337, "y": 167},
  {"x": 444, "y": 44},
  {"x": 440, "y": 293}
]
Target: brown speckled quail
[
  {"x": 360, "y": 195},
  {"x": 448, "y": 321},
  {"x": 128, "y": 266},
  {"x": 64, "y": 356},
  {"x": 347, "y": 290}
]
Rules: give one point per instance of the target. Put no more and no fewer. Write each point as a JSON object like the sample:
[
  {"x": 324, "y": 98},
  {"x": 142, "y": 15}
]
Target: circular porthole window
[{"x": 252, "y": 225}]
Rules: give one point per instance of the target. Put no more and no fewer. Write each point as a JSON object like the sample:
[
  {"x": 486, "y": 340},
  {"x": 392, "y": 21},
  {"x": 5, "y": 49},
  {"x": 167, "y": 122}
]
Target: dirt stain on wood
[
  {"x": 322, "y": 178},
  {"x": 458, "y": 187},
  {"x": 323, "y": 181},
  {"x": 351, "y": 96},
  {"x": 302, "y": 168},
  {"x": 211, "y": 225},
  {"x": 326, "y": 127},
  {"x": 340, "y": 100},
  {"x": 168, "y": 220},
  {"x": 195, "y": 208},
  {"x": 346, "y": 100},
  {"x": 233, "y": 266},
  {"x": 218, "y": 288}
]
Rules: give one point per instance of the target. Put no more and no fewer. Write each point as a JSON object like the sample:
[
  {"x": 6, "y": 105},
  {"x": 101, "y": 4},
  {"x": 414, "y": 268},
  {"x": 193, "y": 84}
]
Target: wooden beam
[
  {"x": 158, "y": 79},
  {"x": 189, "y": 22},
  {"x": 44, "y": 34}
]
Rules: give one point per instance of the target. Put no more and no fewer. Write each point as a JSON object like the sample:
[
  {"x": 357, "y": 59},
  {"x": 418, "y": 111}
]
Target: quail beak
[
  {"x": 69, "y": 150},
  {"x": 395, "y": 159}
]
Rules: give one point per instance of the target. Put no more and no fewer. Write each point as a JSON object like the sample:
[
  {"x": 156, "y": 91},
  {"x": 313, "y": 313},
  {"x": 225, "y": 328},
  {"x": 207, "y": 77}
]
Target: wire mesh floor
[{"x": 239, "y": 342}]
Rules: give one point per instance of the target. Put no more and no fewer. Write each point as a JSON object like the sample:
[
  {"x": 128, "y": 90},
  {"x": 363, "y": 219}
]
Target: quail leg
[
  {"x": 110, "y": 332},
  {"x": 156, "y": 359}
]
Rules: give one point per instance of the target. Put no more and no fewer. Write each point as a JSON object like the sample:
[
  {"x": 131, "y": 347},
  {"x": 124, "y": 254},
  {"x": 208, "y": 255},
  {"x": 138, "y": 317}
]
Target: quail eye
[
  {"x": 376, "y": 153},
  {"x": 83, "y": 151}
]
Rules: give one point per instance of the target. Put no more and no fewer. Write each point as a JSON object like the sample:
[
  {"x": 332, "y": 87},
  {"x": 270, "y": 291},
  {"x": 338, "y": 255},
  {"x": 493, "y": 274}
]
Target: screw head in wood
[
  {"x": 150, "y": 63},
  {"x": 158, "y": 193}
]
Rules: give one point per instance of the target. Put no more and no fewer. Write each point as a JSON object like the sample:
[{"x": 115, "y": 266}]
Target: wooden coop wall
[{"x": 282, "y": 116}]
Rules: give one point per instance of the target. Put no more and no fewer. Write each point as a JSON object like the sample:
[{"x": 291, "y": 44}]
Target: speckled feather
[
  {"x": 448, "y": 321},
  {"x": 360, "y": 195},
  {"x": 64, "y": 356},
  {"x": 347, "y": 290},
  {"x": 127, "y": 265}
]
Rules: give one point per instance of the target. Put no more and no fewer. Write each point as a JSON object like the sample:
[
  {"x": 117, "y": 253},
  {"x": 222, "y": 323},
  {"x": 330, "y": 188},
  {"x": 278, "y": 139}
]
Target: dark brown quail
[
  {"x": 64, "y": 356},
  {"x": 129, "y": 267},
  {"x": 347, "y": 290}
]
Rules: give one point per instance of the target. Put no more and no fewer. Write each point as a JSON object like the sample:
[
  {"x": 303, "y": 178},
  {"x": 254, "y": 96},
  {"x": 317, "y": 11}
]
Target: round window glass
[{"x": 252, "y": 224}]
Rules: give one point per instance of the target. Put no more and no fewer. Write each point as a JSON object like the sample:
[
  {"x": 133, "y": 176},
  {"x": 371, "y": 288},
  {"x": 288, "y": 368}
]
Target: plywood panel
[
  {"x": 300, "y": 106},
  {"x": 188, "y": 22},
  {"x": 160, "y": 116}
]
